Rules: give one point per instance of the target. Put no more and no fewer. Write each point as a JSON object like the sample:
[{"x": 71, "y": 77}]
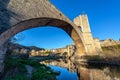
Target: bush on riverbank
[
  {"x": 100, "y": 61},
  {"x": 15, "y": 69},
  {"x": 111, "y": 51},
  {"x": 109, "y": 57}
]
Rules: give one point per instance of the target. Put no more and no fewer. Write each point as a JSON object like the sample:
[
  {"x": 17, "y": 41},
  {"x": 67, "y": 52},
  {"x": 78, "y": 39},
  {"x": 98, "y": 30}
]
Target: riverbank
[
  {"x": 43, "y": 58},
  {"x": 98, "y": 61},
  {"x": 110, "y": 56},
  {"x": 26, "y": 69}
]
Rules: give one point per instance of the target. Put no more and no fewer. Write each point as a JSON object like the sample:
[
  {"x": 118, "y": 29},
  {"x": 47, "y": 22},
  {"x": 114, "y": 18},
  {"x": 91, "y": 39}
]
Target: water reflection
[
  {"x": 73, "y": 70},
  {"x": 65, "y": 74}
]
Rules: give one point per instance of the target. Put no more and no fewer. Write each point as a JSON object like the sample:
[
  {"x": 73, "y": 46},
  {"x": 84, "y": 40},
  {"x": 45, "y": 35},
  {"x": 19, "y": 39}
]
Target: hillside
[
  {"x": 17, "y": 48},
  {"x": 111, "y": 51}
]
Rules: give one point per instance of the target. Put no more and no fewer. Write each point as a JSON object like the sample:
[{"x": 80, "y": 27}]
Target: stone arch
[{"x": 44, "y": 21}]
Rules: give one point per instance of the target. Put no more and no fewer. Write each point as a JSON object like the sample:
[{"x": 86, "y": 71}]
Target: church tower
[{"x": 83, "y": 24}]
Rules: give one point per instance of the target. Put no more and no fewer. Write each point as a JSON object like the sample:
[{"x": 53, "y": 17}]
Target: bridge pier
[{"x": 3, "y": 50}]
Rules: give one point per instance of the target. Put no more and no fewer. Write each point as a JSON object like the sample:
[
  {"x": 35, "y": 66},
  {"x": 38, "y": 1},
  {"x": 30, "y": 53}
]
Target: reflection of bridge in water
[
  {"x": 84, "y": 73},
  {"x": 66, "y": 64}
]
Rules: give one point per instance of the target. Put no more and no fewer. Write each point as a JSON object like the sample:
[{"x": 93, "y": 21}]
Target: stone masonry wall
[
  {"x": 97, "y": 45},
  {"x": 82, "y": 22}
]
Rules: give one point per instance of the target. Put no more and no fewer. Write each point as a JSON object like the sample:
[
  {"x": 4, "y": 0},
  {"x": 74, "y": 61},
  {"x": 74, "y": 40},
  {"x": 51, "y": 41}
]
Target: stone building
[
  {"x": 97, "y": 45},
  {"x": 69, "y": 50}
]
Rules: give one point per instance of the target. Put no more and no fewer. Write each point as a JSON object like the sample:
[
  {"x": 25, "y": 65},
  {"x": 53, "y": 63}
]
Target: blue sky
[{"x": 104, "y": 19}]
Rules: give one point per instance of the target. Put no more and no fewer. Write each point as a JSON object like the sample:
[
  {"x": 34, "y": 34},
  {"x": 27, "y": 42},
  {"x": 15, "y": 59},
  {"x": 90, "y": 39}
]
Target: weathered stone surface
[
  {"x": 91, "y": 46},
  {"x": 44, "y": 22},
  {"x": 97, "y": 45},
  {"x": 29, "y": 9},
  {"x": 4, "y": 16}
]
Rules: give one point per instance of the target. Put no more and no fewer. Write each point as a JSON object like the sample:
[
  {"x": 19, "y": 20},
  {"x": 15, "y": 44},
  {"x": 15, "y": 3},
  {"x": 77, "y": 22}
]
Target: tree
[
  {"x": 17, "y": 38},
  {"x": 119, "y": 39}
]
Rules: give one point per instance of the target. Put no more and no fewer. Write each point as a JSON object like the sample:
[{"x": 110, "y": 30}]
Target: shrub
[
  {"x": 16, "y": 70},
  {"x": 16, "y": 77}
]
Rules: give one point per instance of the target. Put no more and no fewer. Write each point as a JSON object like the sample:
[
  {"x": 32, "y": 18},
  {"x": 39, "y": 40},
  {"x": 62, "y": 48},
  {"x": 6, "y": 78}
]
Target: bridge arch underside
[{"x": 41, "y": 22}]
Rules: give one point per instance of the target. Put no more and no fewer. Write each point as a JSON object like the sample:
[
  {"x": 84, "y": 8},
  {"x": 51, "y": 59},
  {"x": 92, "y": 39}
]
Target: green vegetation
[
  {"x": 44, "y": 73},
  {"x": 16, "y": 77},
  {"x": 110, "y": 57},
  {"x": 15, "y": 69},
  {"x": 111, "y": 51},
  {"x": 111, "y": 47},
  {"x": 48, "y": 52}
]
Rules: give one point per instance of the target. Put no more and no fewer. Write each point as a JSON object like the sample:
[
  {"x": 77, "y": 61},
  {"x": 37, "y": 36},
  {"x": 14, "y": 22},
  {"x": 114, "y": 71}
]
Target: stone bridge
[{"x": 20, "y": 15}]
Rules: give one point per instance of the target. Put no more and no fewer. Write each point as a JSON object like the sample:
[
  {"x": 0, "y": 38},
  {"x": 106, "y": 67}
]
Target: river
[{"x": 70, "y": 70}]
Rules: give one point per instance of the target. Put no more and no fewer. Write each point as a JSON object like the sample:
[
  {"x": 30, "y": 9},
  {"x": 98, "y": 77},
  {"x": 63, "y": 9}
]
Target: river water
[{"x": 70, "y": 70}]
